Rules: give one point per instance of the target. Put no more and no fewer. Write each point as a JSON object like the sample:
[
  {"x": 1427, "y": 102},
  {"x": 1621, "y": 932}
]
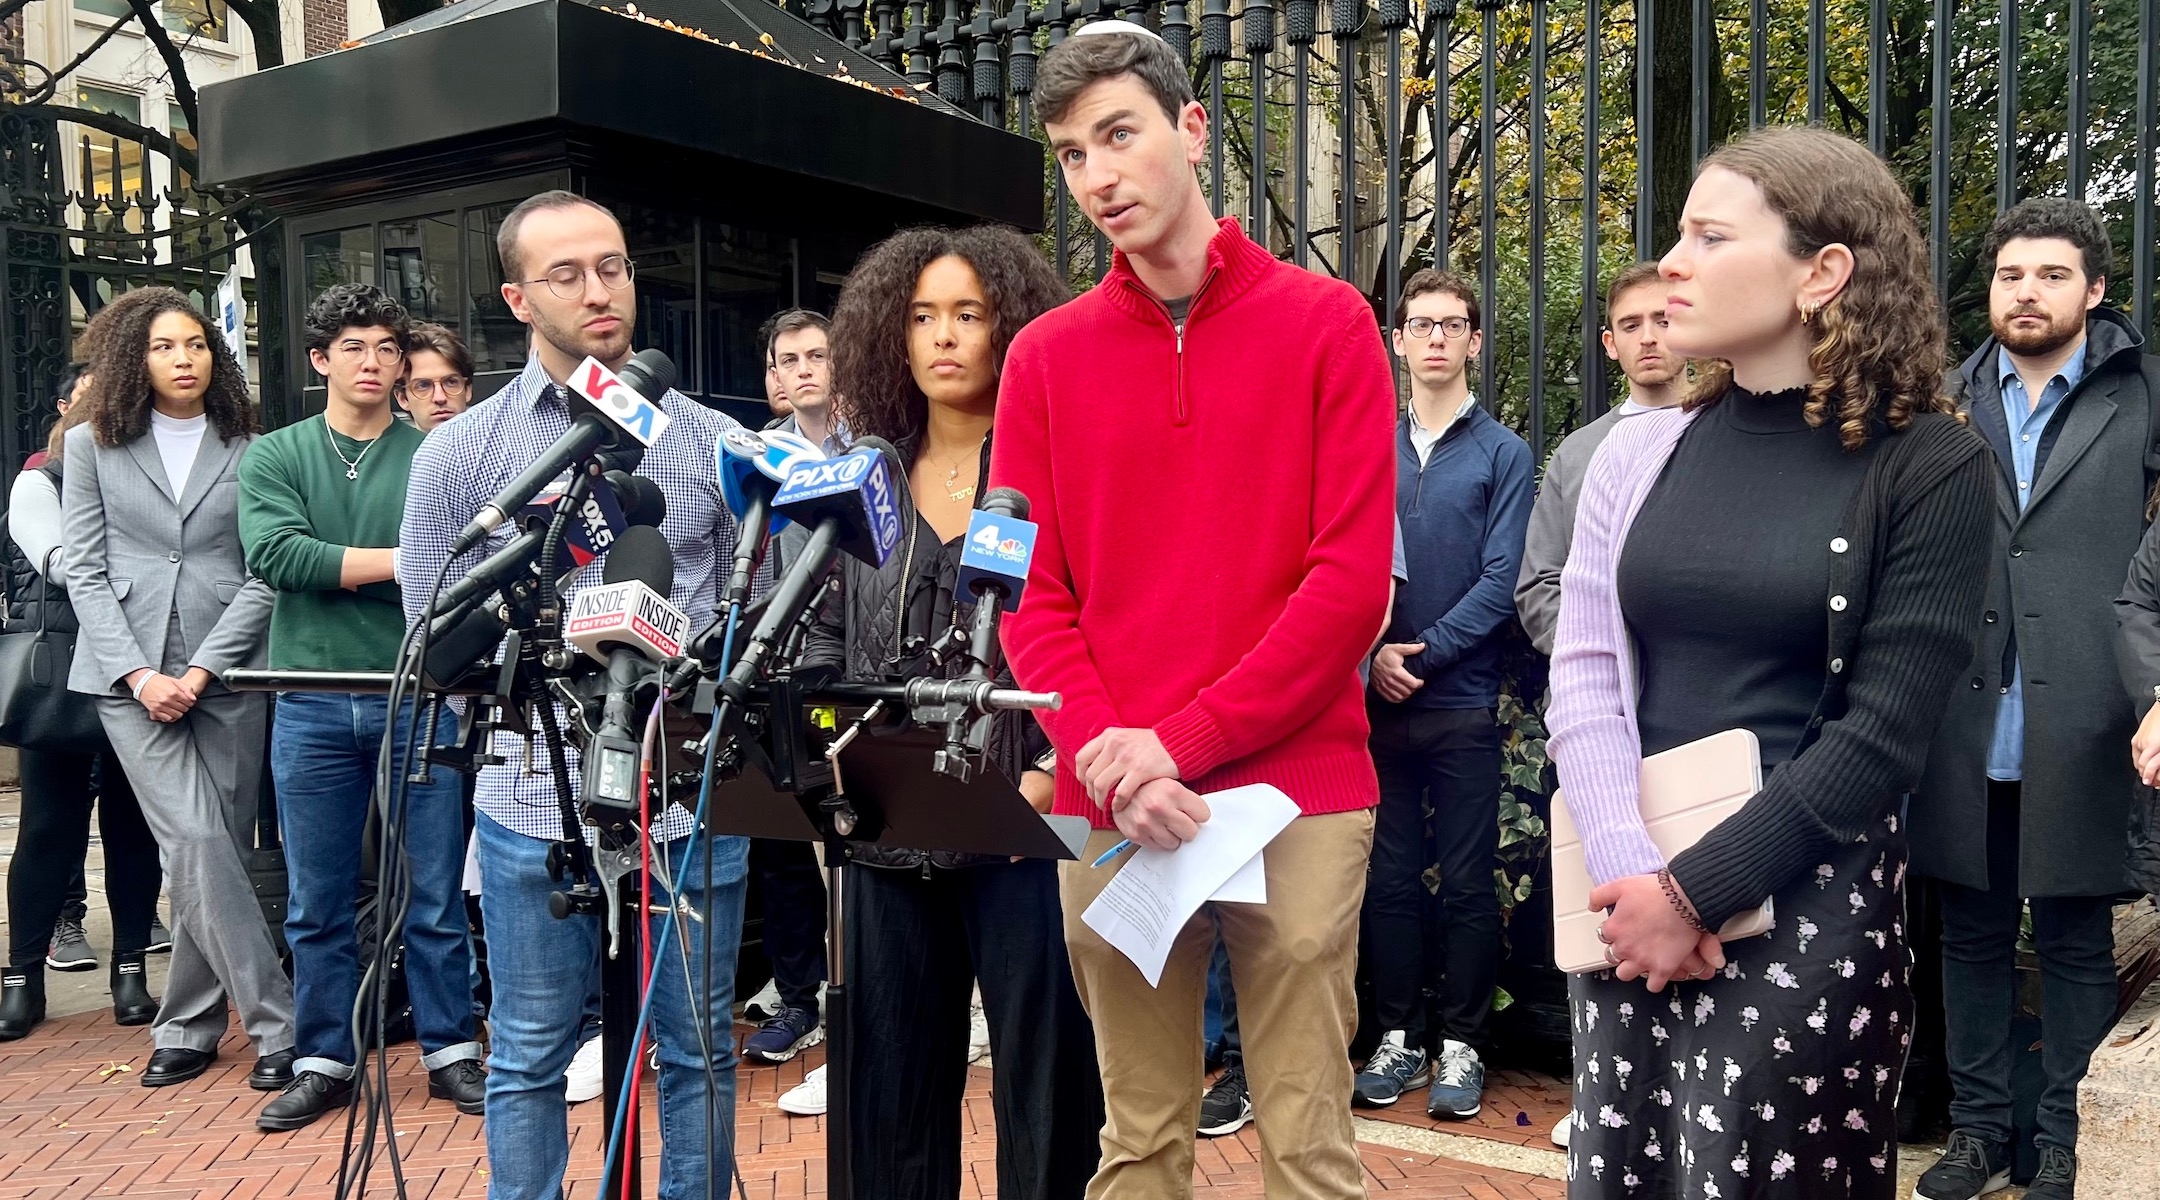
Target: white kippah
[{"x": 1116, "y": 27}]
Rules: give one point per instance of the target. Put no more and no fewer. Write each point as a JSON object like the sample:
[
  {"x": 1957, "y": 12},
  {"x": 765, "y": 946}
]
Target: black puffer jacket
[
  {"x": 24, "y": 588},
  {"x": 861, "y": 631}
]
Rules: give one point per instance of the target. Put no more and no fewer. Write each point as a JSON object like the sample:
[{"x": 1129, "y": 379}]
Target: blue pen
[{"x": 1114, "y": 851}]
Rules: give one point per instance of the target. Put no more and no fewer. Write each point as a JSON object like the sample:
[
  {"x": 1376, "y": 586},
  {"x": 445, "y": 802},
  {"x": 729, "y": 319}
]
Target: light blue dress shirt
[{"x": 2026, "y": 421}]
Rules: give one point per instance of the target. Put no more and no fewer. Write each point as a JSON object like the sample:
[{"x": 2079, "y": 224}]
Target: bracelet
[
  {"x": 1679, "y": 903},
  {"x": 137, "y": 689}
]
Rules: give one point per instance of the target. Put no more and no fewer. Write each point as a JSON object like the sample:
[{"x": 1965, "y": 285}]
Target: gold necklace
[{"x": 962, "y": 495}]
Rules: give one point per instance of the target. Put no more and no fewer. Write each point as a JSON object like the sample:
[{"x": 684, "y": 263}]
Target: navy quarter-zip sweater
[{"x": 1464, "y": 513}]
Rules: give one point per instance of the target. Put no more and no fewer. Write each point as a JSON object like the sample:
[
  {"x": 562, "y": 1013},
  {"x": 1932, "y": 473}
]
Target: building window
[
  {"x": 105, "y": 8},
  {"x": 111, "y": 166},
  {"x": 206, "y": 19},
  {"x": 337, "y": 256},
  {"x": 420, "y": 268}
]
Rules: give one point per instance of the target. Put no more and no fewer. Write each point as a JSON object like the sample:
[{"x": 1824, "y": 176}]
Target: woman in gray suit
[{"x": 156, "y": 573}]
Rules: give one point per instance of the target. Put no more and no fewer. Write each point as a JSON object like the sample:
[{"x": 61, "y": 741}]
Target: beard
[
  {"x": 1656, "y": 376},
  {"x": 573, "y": 341},
  {"x": 2036, "y": 343}
]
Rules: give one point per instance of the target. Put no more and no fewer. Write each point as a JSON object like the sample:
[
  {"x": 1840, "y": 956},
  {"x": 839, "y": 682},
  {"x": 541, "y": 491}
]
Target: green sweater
[{"x": 298, "y": 513}]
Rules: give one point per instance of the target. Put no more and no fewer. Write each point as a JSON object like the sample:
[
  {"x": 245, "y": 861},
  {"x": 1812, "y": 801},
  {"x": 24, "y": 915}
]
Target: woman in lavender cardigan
[{"x": 1797, "y": 551}]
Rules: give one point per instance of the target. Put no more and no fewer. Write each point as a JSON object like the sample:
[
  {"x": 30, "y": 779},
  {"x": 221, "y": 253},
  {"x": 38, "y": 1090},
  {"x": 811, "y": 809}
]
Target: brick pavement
[{"x": 75, "y": 1123}]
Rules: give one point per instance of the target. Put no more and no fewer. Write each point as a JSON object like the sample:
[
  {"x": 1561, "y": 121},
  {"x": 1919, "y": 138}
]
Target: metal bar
[
  {"x": 1304, "y": 20},
  {"x": 1259, "y": 40},
  {"x": 1703, "y": 34},
  {"x": 1818, "y": 61},
  {"x": 2080, "y": 97},
  {"x": 1394, "y": 15},
  {"x": 1214, "y": 48},
  {"x": 1488, "y": 182},
  {"x": 1593, "y": 396},
  {"x": 2148, "y": 112},
  {"x": 2006, "y": 107},
  {"x": 1346, "y": 15},
  {"x": 1645, "y": 126},
  {"x": 1443, "y": 180},
  {"x": 1878, "y": 74},
  {"x": 1939, "y": 123},
  {"x": 1538, "y": 64},
  {"x": 1758, "y": 88}
]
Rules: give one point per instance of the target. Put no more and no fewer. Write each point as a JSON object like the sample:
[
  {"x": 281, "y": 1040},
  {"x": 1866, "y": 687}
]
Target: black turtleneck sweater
[{"x": 1724, "y": 571}]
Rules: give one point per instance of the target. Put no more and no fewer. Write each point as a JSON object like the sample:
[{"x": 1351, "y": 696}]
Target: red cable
[{"x": 645, "y": 972}]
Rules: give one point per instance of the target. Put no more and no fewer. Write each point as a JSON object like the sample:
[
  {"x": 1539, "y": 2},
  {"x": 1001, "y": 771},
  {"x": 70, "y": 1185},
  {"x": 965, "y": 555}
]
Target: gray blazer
[{"x": 136, "y": 555}]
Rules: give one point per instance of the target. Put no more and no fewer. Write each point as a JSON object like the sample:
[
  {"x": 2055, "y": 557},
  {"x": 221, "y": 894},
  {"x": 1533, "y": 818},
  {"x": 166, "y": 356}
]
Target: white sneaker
[
  {"x": 584, "y": 1073},
  {"x": 978, "y": 1033},
  {"x": 1560, "y": 1132},
  {"x": 806, "y": 1099},
  {"x": 765, "y": 1005}
]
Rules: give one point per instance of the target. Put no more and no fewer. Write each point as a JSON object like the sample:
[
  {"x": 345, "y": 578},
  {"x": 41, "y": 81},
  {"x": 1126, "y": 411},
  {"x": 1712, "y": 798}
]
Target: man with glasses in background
[
  {"x": 438, "y": 376},
  {"x": 1463, "y": 495},
  {"x": 320, "y": 502}
]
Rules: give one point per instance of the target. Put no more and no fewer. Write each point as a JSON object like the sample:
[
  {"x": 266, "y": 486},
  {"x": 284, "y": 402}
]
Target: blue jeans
[
  {"x": 323, "y": 749},
  {"x": 542, "y": 968}
]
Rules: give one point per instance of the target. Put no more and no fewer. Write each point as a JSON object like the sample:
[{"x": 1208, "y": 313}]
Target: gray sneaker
[
  {"x": 2057, "y": 1177},
  {"x": 70, "y": 949},
  {"x": 160, "y": 937}
]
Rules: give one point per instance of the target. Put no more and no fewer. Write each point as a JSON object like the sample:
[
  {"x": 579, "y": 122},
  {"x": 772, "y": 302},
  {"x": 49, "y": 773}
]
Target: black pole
[
  {"x": 2006, "y": 108},
  {"x": 1593, "y": 396},
  {"x": 1259, "y": 40},
  {"x": 1302, "y": 18},
  {"x": 1394, "y": 16},
  {"x": 1538, "y": 65},
  {"x": 1758, "y": 89},
  {"x": 1939, "y": 123},
  {"x": 1818, "y": 61},
  {"x": 1704, "y": 32},
  {"x": 2080, "y": 98},
  {"x": 1878, "y": 74},
  {"x": 1056, "y": 20},
  {"x": 1346, "y": 15},
  {"x": 839, "y": 1029},
  {"x": 1443, "y": 181},
  {"x": 1214, "y": 48},
  {"x": 2148, "y": 112},
  {"x": 1645, "y": 126},
  {"x": 620, "y": 993},
  {"x": 1488, "y": 142}
]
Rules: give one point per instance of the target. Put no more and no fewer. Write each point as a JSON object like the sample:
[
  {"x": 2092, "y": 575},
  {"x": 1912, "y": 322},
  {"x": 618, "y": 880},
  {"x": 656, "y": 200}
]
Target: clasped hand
[
  {"x": 168, "y": 699},
  {"x": 1647, "y": 938},
  {"x": 1128, "y": 772}
]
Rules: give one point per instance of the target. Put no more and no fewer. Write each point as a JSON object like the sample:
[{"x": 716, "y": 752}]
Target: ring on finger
[
  {"x": 1610, "y": 957},
  {"x": 1602, "y": 935}
]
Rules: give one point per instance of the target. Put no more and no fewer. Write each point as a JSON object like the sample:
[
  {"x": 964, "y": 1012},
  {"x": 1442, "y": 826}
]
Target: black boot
[
  {"x": 132, "y": 1003},
  {"x": 22, "y": 1000}
]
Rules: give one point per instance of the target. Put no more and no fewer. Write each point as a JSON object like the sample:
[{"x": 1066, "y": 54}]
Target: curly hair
[
  {"x": 1880, "y": 344},
  {"x": 2055, "y": 217},
  {"x": 871, "y": 375},
  {"x": 346, "y": 306},
  {"x": 119, "y": 338}
]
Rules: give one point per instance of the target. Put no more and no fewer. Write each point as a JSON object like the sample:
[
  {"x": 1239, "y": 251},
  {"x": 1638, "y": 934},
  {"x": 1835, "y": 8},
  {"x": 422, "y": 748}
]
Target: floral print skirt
[{"x": 1775, "y": 1078}]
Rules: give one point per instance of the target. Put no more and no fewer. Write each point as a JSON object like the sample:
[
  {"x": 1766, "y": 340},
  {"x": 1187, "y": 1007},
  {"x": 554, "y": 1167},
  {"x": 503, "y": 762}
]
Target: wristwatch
[{"x": 1048, "y": 761}]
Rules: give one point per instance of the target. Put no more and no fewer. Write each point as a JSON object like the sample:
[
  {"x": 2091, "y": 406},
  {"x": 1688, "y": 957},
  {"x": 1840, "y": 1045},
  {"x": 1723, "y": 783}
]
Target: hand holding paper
[
  {"x": 1164, "y": 814},
  {"x": 1158, "y": 891}
]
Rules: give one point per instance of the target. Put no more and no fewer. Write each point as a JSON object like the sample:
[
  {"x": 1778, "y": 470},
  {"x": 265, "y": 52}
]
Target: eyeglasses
[
  {"x": 789, "y": 362},
  {"x": 424, "y": 389},
  {"x": 389, "y": 354},
  {"x": 568, "y": 280},
  {"x": 1422, "y": 327}
]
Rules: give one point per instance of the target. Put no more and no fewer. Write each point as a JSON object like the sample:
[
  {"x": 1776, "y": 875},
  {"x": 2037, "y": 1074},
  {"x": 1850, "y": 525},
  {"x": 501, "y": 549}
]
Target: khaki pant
[{"x": 1292, "y": 961}]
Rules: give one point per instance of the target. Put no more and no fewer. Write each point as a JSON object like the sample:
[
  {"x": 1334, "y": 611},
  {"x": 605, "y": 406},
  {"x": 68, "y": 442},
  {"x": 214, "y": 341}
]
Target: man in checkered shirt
[{"x": 570, "y": 279}]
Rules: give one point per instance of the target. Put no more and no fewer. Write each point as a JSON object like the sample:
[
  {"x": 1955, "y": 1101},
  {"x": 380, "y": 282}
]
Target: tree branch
[
  {"x": 175, "y": 66},
  {"x": 261, "y": 18},
  {"x": 51, "y": 86}
]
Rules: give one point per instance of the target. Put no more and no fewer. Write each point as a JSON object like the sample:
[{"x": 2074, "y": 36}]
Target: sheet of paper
[
  {"x": 1157, "y": 891},
  {"x": 1248, "y": 886}
]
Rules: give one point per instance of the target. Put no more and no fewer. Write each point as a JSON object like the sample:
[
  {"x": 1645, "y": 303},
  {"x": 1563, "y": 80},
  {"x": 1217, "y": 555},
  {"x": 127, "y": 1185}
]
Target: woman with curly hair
[
  {"x": 155, "y": 570},
  {"x": 1797, "y": 552},
  {"x": 919, "y": 337}
]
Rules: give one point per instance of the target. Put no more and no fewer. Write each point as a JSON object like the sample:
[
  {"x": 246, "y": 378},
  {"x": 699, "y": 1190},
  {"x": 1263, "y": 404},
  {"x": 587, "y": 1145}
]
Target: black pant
[
  {"x": 792, "y": 888},
  {"x": 2075, "y": 936},
  {"x": 915, "y": 946},
  {"x": 1450, "y": 759},
  {"x": 57, "y": 794}
]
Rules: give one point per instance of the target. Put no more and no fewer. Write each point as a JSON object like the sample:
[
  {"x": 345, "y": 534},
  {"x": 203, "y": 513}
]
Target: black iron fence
[{"x": 1540, "y": 145}]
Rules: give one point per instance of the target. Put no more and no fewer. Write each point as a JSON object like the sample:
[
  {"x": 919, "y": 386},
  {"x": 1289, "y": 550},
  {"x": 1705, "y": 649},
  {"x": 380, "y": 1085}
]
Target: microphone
[
  {"x": 849, "y": 505},
  {"x": 993, "y": 568},
  {"x": 606, "y": 411},
  {"x": 629, "y": 611},
  {"x": 647, "y": 505},
  {"x": 628, "y": 624},
  {"x": 591, "y": 528}
]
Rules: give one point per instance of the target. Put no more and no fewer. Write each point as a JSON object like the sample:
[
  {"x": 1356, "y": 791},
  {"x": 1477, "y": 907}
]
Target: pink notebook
[{"x": 1686, "y": 791}]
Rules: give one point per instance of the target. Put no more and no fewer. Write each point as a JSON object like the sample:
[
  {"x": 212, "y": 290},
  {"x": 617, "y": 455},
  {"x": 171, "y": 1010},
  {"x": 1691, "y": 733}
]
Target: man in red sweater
[{"x": 1206, "y": 437}]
